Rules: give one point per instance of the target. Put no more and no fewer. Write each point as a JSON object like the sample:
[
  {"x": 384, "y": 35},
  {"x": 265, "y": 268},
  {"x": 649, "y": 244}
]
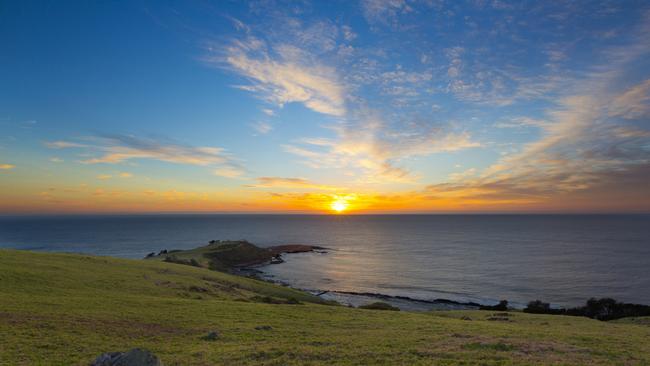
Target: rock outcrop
[{"x": 134, "y": 357}]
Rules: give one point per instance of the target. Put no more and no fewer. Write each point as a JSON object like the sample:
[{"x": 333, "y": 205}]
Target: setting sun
[{"x": 339, "y": 205}]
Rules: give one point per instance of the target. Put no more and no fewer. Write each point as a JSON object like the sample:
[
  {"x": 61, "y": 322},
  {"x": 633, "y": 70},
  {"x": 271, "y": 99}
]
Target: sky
[{"x": 371, "y": 106}]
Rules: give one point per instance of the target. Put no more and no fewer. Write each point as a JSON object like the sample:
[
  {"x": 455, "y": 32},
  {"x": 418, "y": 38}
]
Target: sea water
[{"x": 562, "y": 259}]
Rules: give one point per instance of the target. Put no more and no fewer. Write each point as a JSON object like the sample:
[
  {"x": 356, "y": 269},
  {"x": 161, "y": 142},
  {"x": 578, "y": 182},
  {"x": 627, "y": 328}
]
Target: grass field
[{"x": 64, "y": 309}]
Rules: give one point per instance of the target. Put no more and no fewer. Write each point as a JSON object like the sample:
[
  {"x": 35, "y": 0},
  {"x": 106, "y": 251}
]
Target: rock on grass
[{"x": 134, "y": 357}]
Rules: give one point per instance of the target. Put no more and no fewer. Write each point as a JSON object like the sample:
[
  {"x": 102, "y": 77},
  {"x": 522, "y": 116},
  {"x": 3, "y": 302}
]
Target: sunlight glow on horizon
[{"x": 339, "y": 206}]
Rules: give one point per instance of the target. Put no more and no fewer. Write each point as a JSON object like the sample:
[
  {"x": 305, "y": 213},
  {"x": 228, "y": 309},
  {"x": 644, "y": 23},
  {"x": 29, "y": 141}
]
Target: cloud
[
  {"x": 286, "y": 74},
  {"x": 280, "y": 182},
  {"x": 585, "y": 151},
  {"x": 229, "y": 171},
  {"x": 520, "y": 122},
  {"x": 114, "y": 149},
  {"x": 56, "y": 160},
  {"x": 383, "y": 11},
  {"x": 348, "y": 34},
  {"x": 6, "y": 166},
  {"x": 262, "y": 127},
  {"x": 120, "y": 148},
  {"x": 377, "y": 148},
  {"x": 300, "y": 64},
  {"x": 634, "y": 103},
  {"x": 110, "y": 176},
  {"x": 454, "y": 177},
  {"x": 64, "y": 145},
  {"x": 319, "y": 35}
]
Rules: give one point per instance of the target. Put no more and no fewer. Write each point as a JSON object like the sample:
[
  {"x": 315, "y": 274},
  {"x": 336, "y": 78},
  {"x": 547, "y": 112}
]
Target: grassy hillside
[{"x": 66, "y": 309}]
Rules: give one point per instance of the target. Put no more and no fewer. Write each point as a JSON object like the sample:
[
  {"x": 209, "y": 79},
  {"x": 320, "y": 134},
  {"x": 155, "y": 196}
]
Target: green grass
[{"x": 65, "y": 309}]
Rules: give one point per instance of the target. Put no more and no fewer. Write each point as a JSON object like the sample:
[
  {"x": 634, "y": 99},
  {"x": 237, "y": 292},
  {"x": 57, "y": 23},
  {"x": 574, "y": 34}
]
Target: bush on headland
[
  {"x": 501, "y": 306},
  {"x": 272, "y": 300},
  {"x": 540, "y": 307},
  {"x": 379, "y": 306},
  {"x": 601, "y": 309}
]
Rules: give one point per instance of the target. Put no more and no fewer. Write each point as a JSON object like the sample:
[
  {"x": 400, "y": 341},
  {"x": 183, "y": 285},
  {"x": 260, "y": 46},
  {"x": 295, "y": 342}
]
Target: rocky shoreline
[
  {"x": 352, "y": 298},
  {"x": 356, "y": 299},
  {"x": 246, "y": 259}
]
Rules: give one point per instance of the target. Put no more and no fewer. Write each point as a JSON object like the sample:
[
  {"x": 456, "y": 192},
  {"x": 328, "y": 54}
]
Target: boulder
[{"x": 134, "y": 357}]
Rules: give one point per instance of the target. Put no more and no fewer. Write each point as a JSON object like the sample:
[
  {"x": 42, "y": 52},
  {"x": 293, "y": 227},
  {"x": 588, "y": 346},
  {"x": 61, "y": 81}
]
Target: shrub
[
  {"x": 539, "y": 307},
  {"x": 293, "y": 301},
  {"x": 501, "y": 306},
  {"x": 601, "y": 309},
  {"x": 194, "y": 262},
  {"x": 379, "y": 306},
  {"x": 272, "y": 300}
]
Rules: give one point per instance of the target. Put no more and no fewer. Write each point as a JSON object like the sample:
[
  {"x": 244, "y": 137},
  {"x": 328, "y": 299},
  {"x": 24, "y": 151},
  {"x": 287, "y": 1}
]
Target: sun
[{"x": 339, "y": 205}]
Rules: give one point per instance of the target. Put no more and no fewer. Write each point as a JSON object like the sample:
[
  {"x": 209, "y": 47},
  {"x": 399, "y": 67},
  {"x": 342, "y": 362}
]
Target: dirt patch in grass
[{"x": 499, "y": 346}]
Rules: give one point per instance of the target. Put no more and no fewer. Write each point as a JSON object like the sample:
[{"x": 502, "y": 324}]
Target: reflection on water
[{"x": 564, "y": 259}]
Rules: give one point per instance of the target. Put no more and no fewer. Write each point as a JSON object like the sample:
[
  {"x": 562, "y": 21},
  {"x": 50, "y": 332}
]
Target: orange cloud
[{"x": 280, "y": 182}]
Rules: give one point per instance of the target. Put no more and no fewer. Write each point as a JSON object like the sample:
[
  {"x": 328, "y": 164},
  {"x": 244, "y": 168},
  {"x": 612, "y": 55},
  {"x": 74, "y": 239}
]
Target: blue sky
[{"x": 409, "y": 106}]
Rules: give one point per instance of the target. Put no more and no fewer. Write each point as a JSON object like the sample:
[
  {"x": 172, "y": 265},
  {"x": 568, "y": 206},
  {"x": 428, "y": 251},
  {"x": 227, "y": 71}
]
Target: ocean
[{"x": 561, "y": 259}]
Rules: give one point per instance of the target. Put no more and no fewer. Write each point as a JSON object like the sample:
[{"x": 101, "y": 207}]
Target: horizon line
[{"x": 290, "y": 213}]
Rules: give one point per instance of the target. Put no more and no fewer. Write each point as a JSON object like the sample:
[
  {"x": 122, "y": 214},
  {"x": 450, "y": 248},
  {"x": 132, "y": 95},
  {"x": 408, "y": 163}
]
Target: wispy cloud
[
  {"x": 111, "y": 176},
  {"x": 281, "y": 182},
  {"x": 283, "y": 74},
  {"x": 577, "y": 141},
  {"x": 520, "y": 122},
  {"x": 114, "y": 149},
  {"x": 298, "y": 64},
  {"x": 64, "y": 144},
  {"x": 384, "y": 11},
  {"x": 584, "y": 146},
  {"x": 376, "y": 148},
  {"x": 229, "y": 171},
  {"x": 6, "y": 166},
  {"x": 262, "y": 128},
  {"x": 634, "y": 103}
]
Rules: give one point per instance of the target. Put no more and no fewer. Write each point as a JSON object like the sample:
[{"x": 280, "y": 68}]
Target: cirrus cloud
[
  {"x": 284, "y": 75},
  {"x": 281, "y": 182},
  {"x": 115, "y": 149}
]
